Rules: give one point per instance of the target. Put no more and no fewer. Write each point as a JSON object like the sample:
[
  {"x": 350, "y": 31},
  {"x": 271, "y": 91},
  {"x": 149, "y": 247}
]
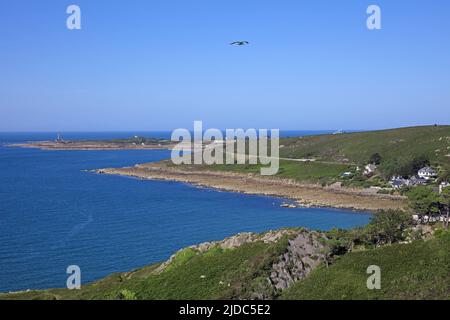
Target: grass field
[
  {"x": 430, "y": 141},
  {"x": 420, "y": 270},
  {"x": 335, "y": 154},
  {"x": 300, "y": 171}
]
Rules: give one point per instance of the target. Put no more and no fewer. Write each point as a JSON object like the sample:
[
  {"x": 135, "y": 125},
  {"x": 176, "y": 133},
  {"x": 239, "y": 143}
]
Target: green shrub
[{"x": 125, "y": 294}]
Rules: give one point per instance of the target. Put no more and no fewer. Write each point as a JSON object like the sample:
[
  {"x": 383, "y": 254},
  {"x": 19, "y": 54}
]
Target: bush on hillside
[
  {"x": 423, "y": 200},
  {"x": 375, "y": 159},
  {"x": 127, "y": 295},
  {"x": 387, "y": 227}
]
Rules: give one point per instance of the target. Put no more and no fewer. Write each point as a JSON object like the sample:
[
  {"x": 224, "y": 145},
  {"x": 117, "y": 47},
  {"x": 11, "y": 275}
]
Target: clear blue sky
[{"x": 156, "y": 65}]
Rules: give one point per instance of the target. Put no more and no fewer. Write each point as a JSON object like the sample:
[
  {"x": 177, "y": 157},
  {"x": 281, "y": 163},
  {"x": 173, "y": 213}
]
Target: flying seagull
[{"x": 239, "y": 43}]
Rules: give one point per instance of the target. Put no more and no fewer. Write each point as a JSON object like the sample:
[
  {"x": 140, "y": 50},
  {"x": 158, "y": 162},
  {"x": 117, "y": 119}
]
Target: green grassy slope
[
  {"x": 301, "y": 171},
  {"x": 359, "y": 146},
  {"x": 215, "y": 274},
  {"x": 335, "y": 154},
  {"x": 420, "y": 270}
]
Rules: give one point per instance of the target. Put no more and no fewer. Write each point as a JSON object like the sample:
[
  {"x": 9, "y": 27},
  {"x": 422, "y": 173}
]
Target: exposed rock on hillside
[{"x": 304, "y": 252}]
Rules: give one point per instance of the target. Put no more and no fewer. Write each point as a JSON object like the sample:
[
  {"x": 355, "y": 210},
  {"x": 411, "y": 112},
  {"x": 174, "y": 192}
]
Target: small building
[
  {"x": 369, "y": 169},
  {"x": 346, "y": 174},
  {"x": 417, "y": 181},
  {"x": 427, "y": 173},
  {"x": 398, "y": 182},
  {"x": 59, "y": 139}
]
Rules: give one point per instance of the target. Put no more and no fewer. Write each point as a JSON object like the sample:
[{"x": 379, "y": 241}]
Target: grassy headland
[
  {"x": 333, "y": 154},
  {"x": 333, "y": 176}
]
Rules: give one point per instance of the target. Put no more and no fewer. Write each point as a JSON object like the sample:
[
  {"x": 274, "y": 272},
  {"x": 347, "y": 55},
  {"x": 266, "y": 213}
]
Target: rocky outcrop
[
  {"x": 304, "y": 253},
  {"x": 232, "y": 243}
]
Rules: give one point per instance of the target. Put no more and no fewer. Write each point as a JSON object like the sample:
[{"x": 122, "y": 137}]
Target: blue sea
[{"x": 54, "y": 214}]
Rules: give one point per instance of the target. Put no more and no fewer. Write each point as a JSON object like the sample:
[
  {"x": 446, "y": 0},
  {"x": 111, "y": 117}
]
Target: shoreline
[
  {"x": 304, "y": 195},
  {"x": 86, "y": 146}
]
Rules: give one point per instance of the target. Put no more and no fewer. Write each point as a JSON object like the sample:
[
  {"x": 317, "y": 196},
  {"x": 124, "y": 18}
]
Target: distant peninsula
[{"x": 134, "y": 143}]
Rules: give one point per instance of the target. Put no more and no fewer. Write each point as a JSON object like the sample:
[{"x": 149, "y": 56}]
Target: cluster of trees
[
  {"x": 424, "y": 201},
  {"x": 404, "y": 167},
  {"x": 385, "y": 227}
]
